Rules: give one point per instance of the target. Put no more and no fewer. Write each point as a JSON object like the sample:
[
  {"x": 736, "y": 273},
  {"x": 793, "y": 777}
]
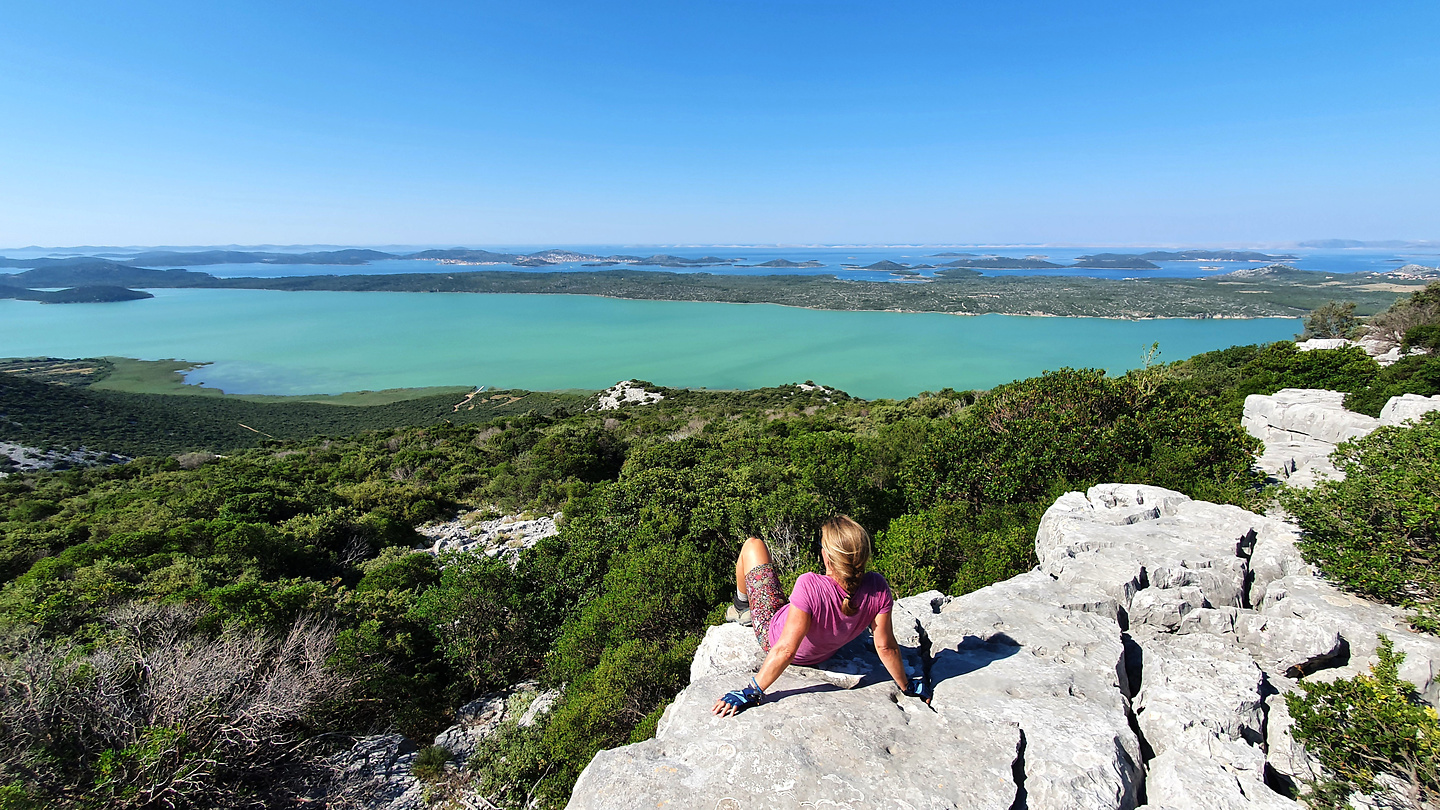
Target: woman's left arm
[
  {"x": 797, "y": 624},
  {"x": 883, "y": 630}
]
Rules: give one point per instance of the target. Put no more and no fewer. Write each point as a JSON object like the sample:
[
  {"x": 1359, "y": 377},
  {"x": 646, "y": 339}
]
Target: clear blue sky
[{"x": 718, "y": 122}]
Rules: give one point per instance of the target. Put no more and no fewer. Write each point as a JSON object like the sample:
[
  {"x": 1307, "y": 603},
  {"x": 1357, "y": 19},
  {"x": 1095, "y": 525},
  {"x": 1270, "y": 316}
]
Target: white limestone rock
[
  {"x": 1307, "y": 412},
  {"x": 1358, "y": 622},
  {"x": 1011, "y": 652},
  {"x": 1165, "y": 607},
  {"x": 1323, "y": 343},
  {"x": 506, "y": 537},
  {"x": 1408, "y": 407},
  {"x": 811, "y": 745},
  {"x": 1197, "y": 680},
  {"x": 1300, "y": 428},
  {"x": 1281, "y": 644},
  {"x": 1275, "y": 557},
  {"x": 1285, "y": 755},
  {"x": 1121, "y": 539},
  {"x": 1208, "y": 772},
  {"x": 726, "y": 648},
  {"x": 625, "y": 392}
]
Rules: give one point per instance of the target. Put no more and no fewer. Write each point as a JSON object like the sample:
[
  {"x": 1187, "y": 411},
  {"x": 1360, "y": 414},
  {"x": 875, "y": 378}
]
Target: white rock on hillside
[
  {"x": 506, "y": 536},
  {"x": 1385, "y": 352},
  {"x": 1137, "y": 655},
  {"x": 17, "y": 458},
  {"x": 625, "y": 392},
  {"x": 1300, "y": 428},
  {"x": 1409, "y": 407}
]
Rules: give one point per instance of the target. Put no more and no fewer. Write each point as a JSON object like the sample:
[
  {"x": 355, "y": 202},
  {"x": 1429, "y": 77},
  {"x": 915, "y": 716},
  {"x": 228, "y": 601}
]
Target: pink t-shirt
[{"x": 830, "y": 629}]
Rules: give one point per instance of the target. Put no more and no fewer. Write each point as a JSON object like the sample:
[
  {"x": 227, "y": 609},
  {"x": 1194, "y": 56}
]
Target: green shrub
[
  {"x": 480, "y": 619},
  {"x": 1410, "y": 375},
  {"x": 946, "y": 549},
  {"x": 1424, "y": 336},
  {"x": 1361, "y": 727},
  {"x": 1377, "y": 531},
  {"x": 430, "y": 763},
  {"x": 1422, "y": 308}
]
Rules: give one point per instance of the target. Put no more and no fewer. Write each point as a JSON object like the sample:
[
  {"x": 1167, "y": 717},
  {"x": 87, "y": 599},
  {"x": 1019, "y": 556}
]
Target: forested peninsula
[{"x": 1275, "y": 291}]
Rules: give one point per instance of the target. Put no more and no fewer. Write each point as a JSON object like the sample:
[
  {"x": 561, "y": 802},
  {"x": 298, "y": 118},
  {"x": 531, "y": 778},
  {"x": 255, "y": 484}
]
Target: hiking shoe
[{"x": 741, "y": 617}]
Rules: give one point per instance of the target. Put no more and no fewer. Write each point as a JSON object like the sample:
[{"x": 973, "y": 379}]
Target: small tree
[
  {"x": 1332, "y": 319},
  {"x": 1422, "y": 308}
]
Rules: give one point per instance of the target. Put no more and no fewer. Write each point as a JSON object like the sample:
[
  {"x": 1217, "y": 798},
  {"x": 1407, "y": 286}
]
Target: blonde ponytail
[{"x": 846, "y": 546}]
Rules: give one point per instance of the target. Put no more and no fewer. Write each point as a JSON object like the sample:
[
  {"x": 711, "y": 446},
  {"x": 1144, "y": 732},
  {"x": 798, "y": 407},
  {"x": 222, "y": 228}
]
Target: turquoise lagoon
[{"x": 267, "y": 342}]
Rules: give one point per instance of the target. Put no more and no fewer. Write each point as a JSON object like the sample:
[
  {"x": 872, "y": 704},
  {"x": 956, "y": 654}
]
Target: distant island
[
  {"x": 1004, "y": 263},
  {"x": 1116, "y": 261},
  {"x": 786, "y": 264},
  {"x": 1271, "y": 291},
  {"x": 87, "y": 294}
]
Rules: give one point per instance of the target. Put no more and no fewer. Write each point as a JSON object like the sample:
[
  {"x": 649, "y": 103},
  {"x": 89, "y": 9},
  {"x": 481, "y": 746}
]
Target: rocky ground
[
  {"x": 625, "y": 392},
  {"x": 1385, "y": 352},
  {"x": 377, "y": 771},
  {"x": 1143, "y": 663},
  {"x": 505, "y": 536},
  {"x": 17, "y": 458}
]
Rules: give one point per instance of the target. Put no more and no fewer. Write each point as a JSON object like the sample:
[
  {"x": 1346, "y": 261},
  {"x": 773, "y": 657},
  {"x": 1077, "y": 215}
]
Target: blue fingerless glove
[
  {"x": 743, "y": 699},
  {"x": 916, "y": 688}
]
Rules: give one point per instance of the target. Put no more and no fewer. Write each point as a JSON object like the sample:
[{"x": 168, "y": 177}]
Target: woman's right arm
[{"x": 797, "y": 624}]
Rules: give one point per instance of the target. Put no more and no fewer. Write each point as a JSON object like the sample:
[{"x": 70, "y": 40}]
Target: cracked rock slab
[
  {"x": 1279, "y": 643},
  {"x": 1359, "y": 623},
  {"x": 811, "y": 745},
  {"x": 1013, "y": 652},
  {"x": 1211, "y": 773},
  {"x": 1197, "y": 681}
]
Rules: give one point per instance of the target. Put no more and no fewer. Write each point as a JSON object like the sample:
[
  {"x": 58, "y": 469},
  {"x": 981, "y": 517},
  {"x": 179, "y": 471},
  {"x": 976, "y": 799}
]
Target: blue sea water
[{"x": 267, "y": 342}]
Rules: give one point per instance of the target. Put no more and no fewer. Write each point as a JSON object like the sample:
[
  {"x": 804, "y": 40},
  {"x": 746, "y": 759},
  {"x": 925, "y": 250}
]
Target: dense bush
[
  {"x": 1362, "y": 727},
  {"x": 1410, "y": 375},
  {"x": 1377, "y": 531}
]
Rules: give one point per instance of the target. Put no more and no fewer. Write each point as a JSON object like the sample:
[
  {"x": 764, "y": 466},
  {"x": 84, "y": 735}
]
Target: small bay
[{"x": 267, "y": 342}]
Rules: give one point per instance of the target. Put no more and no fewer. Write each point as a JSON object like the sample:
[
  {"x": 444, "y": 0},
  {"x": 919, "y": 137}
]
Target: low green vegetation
[
  {"x": 1363, "y": 728},
  {"x": 1377, "y": 531},
  {"x": 312, "y": 539},
  {"x": 1333, "y": 319}
]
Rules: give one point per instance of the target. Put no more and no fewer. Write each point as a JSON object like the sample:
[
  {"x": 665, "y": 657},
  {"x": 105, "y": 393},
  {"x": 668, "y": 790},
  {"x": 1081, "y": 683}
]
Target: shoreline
[{"x": 898, "y": 311}]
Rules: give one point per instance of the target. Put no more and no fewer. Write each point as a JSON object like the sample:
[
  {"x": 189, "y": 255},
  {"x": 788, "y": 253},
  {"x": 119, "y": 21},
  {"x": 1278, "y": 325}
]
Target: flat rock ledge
[
  {"x": 1143, "y": 663},
  {"x": 1301, "y": 427}
]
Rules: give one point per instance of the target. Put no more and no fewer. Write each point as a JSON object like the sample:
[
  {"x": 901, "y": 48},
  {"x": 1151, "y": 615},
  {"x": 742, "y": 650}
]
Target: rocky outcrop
[
  {"x": 1142, "y": 664},
  {"x": 505, "y": 536},
  {"x": 377, "y": 771},
  {"x": 1301, "y": 427},
  {"x": 17, "y": 458},
  {"x": 625, "y": 392},
  {"x": 1408, "y": 408},
  {"x": 1385, "y": 352}
]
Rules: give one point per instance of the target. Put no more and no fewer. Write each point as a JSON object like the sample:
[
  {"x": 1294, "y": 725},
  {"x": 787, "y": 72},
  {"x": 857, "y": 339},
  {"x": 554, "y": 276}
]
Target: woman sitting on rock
[{"x": 823, "y": 613}]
